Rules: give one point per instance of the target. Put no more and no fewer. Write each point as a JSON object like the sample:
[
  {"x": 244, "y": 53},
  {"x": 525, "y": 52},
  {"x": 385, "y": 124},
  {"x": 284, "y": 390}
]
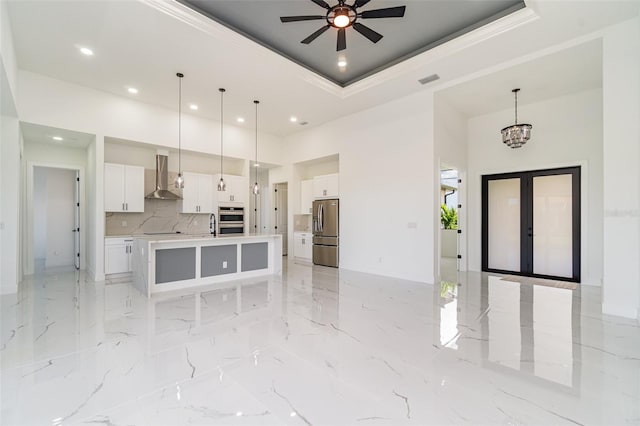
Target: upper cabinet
[
  {"x": 326, "y": 186},
  {"x": 306, "y": 196},
  {"x": 237, "y": 190},
  {"x": 197, "y": 195},
  {"x": 123, "y": 188}
]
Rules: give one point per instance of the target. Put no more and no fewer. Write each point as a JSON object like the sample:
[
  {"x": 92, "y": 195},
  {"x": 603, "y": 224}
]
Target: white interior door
[{"x": 76, "y": 233}]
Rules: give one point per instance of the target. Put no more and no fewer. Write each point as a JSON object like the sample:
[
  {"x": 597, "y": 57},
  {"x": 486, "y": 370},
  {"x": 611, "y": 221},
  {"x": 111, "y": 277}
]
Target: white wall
[
  {"x": 386, "y": 161},
  {"x": 621, "y": 87},
  {"x": 10, "y": 194},
  {"x": 10, "y": 182},
  {"x": 566, "y": 131},
  {"x": 55, "y": 103}
]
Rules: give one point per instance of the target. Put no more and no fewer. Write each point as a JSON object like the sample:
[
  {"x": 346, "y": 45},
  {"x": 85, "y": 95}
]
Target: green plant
[{"x": 448, "y": 217}]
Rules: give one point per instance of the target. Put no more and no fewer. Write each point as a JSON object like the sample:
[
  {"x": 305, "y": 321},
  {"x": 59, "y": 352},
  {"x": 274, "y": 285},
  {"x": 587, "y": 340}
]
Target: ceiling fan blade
[
  {"x": 390, "y": 12},
  {"x": 342, "y": 39},
  {"x": 322, "y": 3},
  {"x": 367, "y": 32},
  {"x": 315, "y": 35},
  {"x": 300, "y": 18},
  {"x": 360, "y": 3}
]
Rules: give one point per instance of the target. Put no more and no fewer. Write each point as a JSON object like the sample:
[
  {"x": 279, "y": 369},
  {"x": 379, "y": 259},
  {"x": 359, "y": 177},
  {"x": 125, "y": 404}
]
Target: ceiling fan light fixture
[
  {"x": 342, "y": 20},
  {"x": 516, "y": 135}
]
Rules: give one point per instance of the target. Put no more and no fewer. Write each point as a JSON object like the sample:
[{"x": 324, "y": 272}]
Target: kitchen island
[{"x": 172, "y": 262}]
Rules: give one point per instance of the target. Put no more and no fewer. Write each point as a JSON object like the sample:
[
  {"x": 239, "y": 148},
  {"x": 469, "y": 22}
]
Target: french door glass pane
[
  {"x": 552, "y": 225},
  {"x": 504, "y": 224}
]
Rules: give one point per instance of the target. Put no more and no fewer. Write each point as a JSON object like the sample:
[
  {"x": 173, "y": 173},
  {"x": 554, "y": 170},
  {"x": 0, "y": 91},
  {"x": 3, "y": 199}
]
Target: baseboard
[{"x": 625, "y": 312}]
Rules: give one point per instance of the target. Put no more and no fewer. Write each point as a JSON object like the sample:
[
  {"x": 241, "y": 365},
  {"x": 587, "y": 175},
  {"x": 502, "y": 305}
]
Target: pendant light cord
[
  {"x": 515, "y": 91},
  {"x": 180, "y": 123},
  {"x": 255, "y": 166},
  {"x": 221, "y": 130}
]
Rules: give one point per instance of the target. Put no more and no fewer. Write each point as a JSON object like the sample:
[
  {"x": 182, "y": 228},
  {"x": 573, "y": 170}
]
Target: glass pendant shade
[
  {"x": 179, "y": 181},
  {"x": 516, "y": 135},
  {"x": 221, "y": 185},
  {"x": 256, "y": 188}
]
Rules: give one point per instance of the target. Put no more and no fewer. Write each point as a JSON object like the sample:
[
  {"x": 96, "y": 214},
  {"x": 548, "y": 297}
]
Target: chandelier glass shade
[{"x": 516, "y": 135}]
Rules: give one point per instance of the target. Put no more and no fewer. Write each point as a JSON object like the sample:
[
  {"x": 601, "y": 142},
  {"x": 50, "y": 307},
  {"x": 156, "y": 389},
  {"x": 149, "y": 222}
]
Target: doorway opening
[
  {"x": 281, "y": 191},
  {"x": 56, "y": 218},
  {"x": 449, "y": 245},
  {"x": 531, "y": 223}
]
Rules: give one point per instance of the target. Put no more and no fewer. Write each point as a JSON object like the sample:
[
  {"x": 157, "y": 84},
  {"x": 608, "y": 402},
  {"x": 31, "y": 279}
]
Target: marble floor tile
[{"x": 316, "y": 345}]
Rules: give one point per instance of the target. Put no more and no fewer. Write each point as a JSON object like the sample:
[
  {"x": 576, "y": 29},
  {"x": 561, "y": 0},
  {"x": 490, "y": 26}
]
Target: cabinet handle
[
  {"x": 122, "y": 206},
  {"x": 127, "y": 205},
  {"x": 324, "y": 192}
]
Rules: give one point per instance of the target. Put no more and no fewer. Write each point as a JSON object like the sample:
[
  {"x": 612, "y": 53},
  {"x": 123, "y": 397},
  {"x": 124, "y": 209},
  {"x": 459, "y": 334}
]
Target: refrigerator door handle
[{"x": 321, "y": 218}]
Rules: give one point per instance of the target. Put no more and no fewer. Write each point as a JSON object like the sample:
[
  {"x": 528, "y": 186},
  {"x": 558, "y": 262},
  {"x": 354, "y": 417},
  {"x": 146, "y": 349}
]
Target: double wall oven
[{"x": 230, "y": 220}]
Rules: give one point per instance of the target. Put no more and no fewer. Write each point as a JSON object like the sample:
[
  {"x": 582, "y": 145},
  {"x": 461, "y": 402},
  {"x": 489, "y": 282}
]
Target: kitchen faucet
[{"x": 212, "y": 224}]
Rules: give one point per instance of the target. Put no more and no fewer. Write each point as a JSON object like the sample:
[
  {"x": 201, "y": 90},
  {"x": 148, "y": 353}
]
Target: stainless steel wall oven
[{"x": 230, "y": 220}]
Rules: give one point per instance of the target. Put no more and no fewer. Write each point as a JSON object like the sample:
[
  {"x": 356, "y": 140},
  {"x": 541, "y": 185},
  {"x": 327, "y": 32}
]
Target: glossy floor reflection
[{"x": 316, "y": 346}]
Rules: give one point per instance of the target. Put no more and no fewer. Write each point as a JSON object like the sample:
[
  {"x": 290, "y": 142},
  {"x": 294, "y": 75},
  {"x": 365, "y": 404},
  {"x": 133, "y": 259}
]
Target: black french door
[{"x": 531, "y": 223}]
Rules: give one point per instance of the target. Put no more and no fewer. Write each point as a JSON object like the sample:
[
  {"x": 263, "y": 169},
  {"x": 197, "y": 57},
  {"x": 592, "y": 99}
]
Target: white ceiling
[
  {"x": 144, "y": 43},
  {"x": 35, "y": 133},
  {"x": 569, "y": 71},
  {"x": 425, "y": 25}
]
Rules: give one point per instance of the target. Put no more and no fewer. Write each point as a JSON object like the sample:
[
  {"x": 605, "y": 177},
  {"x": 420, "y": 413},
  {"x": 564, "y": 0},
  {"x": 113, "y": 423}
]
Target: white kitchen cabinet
[
  {"x": 326, "y": 186},
  {"x": 306, "y": 196},
  {"x": 123, "y": 188},
  {"x": 197, "y": 195},
  {"x": 237, "y": 191},
  {"x": 303, "y": 245},
  {"x": 117, "y": 255}
]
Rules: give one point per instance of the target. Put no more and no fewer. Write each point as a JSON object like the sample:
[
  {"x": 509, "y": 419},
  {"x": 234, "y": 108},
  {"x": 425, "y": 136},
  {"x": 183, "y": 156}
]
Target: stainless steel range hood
[{"x": 162, "y": 181}]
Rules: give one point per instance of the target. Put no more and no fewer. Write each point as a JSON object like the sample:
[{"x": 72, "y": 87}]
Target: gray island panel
[
  {"x": 175, "y": 264},
  {"x": 212, "y": 260},
  {"x": 255, "y": 256}
]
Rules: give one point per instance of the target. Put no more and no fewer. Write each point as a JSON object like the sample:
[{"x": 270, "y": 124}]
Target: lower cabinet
[
  {"x": 117, "y": 255},
  {"x": 303, "y": 245}
]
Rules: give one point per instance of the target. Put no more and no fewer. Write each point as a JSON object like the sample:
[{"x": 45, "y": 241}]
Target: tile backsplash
[
  {"x": 302, "y": 223},
  {"x": 158, "y": 216}
]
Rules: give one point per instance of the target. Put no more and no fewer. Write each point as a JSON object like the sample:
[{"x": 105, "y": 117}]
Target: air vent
[
  {"x": 429, "y": 79},
  {"x": 304, "y": 123}
]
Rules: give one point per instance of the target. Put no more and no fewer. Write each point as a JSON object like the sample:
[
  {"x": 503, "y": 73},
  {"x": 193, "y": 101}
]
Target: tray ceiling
[{"x": 425, "y": 25}]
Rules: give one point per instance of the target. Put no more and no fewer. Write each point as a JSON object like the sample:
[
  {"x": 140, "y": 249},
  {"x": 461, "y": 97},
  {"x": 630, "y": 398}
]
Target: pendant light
[
  {"x": 518, "y": 134},
  {"x": 221, "y": 185},
  {"x": 179, "y": 183},
  {"x": 256, "y": 187}
]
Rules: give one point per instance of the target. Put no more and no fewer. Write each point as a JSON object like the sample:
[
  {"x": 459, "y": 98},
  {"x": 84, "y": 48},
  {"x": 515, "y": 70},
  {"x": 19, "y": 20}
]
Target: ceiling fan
[{"x": 343, "y": 16}]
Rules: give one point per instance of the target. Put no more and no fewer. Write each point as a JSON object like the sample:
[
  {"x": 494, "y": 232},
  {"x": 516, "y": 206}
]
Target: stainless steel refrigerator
[{"x": 326, "y": 232}]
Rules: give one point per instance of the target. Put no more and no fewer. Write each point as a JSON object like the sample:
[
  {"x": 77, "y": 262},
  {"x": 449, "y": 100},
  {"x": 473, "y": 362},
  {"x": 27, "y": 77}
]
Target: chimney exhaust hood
[{"x": 162, "y": 181}]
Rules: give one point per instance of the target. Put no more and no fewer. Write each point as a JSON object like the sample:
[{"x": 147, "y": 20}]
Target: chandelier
[{"x": 518, "y": 134}]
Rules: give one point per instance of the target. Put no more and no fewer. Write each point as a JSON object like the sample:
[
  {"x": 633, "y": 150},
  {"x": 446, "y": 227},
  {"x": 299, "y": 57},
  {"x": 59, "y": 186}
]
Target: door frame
[
  {"x": 27, "y": 241},
  {"x": 526, "y": 218}
]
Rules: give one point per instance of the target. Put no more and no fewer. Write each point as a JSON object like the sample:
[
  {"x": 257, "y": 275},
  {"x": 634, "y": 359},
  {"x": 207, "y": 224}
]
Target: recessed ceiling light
[
  {"x": 132, "y": 90},
  {"x": 240, "y": 120},
  {"x": 293, "y": 119},
  {"x": 193, "y": 107},
  {"x": 57, "y": 138},
  {"x": 342, "y": 63},
  {"x": 86, "y": 51},
  {"x": 256, "y": 165}
]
